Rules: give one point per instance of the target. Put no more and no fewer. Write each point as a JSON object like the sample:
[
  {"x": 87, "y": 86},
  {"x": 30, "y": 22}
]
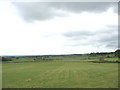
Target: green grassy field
[
  {"x": 0, "y": 75},
  {"x": 60, "y": 75}
]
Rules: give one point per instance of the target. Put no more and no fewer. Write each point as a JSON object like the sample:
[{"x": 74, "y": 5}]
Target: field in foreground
[{"x": 60, "y": 75}]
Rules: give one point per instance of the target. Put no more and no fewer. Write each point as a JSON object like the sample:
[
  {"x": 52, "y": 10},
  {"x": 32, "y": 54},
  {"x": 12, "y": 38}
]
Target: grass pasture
[
  {"x": 60, "y": 75},
  {"x": 0, "y": 75}
]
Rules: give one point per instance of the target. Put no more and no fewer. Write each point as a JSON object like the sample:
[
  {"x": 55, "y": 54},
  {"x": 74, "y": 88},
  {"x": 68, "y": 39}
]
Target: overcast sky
[{"x": 37, "y": 28}]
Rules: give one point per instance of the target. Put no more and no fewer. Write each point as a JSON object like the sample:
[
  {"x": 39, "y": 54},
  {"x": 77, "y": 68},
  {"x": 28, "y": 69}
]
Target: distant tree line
[
  {"x": 117, "y": 53},
  {"x": 101, "y": 53},
  {"x": 54, "y": 57},
  {"x": 6, "y": 59}
]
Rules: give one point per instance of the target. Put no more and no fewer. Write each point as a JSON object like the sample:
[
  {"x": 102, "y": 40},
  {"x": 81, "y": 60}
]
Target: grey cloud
[
  {"x": 84, "y": 6},
  {"x": 119, "y": 8},
  {"x": 111, "y": 41},
  {"x": 119, "y": 36},
  {"x": 36, "y": 11},
  {"x": 76, "y": 35},
  {"x": 31, "y": 11},
  {"x": 77, "y": 38},
  {"x": 107, "y": 38}
]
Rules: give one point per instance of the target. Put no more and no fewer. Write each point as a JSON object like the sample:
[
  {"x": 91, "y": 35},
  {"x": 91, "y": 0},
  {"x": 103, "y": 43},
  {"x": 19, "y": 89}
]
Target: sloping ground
[{"x": 60, "y": 75}]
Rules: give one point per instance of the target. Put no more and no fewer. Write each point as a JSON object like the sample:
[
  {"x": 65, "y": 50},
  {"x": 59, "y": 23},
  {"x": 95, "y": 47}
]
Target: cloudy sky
[{"x": 39, "y": 28}]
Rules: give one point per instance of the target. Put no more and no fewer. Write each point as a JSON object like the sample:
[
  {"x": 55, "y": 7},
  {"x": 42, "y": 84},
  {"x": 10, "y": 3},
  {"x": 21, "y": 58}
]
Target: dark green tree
[
  {"x": 6, "y": 59},
  {"x": 117, "y": 53}
]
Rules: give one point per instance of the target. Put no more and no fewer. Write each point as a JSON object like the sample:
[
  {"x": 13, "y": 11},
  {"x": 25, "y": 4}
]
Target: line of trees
[
  {"x": 6, "y": 59},
  {"x": 117, "y": 53}
]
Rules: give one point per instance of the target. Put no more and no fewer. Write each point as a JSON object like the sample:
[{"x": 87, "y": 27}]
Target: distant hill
[
  {"x": 117, "y": 53},
  {"x": 57, "y": 57}
]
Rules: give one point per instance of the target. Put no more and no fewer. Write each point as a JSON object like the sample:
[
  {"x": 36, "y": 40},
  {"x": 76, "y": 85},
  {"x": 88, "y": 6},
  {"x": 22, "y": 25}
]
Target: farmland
[
  {"x": 60, "y": 74},
  {"x": 56, "y": 73},
  {"x": 0, "y": 75}
]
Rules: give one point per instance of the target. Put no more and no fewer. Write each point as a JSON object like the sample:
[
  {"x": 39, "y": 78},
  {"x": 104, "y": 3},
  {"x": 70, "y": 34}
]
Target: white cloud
[{"x": 46, "y": 37}]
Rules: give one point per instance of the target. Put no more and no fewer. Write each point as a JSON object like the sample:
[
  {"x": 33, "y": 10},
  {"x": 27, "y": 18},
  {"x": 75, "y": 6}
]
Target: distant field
[{"x": 60, "y": 75}]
